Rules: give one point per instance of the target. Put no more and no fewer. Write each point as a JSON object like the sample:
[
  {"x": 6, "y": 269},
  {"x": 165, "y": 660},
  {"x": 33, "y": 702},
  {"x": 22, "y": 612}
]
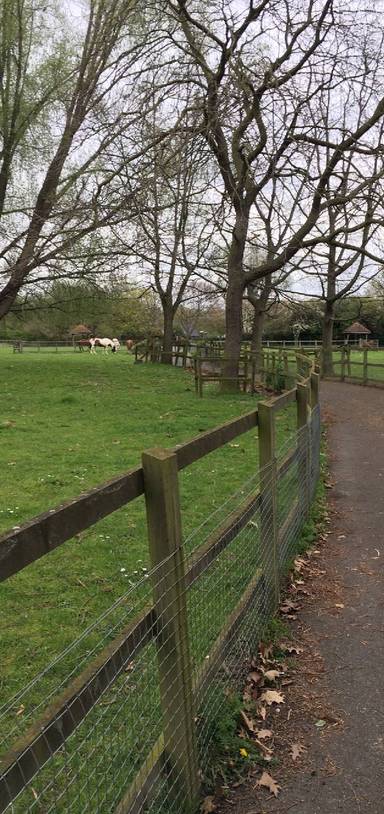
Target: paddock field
[
  {"x": 67, "y": 423},
  {"x": 357, "y": 356}
]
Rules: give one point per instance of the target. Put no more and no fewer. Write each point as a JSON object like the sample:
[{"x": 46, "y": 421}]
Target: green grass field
[
  {"x": 68, "y": 422},
  {"x": 356, "y": 370}
]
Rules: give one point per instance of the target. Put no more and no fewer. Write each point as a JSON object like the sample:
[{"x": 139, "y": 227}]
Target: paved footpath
[{"x": 351, "y": 642}]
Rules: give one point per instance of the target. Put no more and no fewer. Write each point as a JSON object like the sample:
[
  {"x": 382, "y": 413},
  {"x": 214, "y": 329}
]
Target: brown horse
[{"x": 82, "y": 344}]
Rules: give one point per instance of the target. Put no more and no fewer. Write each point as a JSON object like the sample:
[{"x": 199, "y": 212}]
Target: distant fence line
[
  {"x": 272, "y": 369},
  {"x": 346, "y": 367},
  {"x": 213, "y": 345},
  {"x": 132, "y": 731}
]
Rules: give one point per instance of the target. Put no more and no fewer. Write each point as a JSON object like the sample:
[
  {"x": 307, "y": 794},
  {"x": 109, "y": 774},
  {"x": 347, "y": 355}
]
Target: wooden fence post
[
  {"x": 303, "y": 446},
  {"x": 343, "y": 360},
  {"x": 253, "y": 373},
  {"x": 169, "y": 594},
  {"x": 200, "y": 377},
  {"x": 268, "y": 494},
  {"x": 314, "y": 383},
  {"x": 286, "y": 371},
  {"x": 245, "y": 370}
]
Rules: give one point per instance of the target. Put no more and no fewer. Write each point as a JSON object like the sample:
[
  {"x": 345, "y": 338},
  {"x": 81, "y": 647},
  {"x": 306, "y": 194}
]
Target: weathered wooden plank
[
  {"x": 173, "y": 646},
  {"x": 64, "y": 715},
  {"x": 221, "y": 538},
  {"x": 268, "y": 507},
  {"x": 227, "y": 633},
  {"x": 145, "y": 781},
  {"x": 213, "y": 439},
  {"x": 22, "y": 546},
  {"x": 279, "y": 402},
  {"x": 289, "y": 523},
  {"x": 135, "y": 801},
  {"x": 72, "y": 706},
  {"x": 284, "y": 465}
]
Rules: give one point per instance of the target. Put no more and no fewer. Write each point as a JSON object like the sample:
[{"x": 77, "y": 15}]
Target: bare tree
[
  {"x": 74, "y": 187},
  {"x": 259, "y": 71},
  {"x": 172, "y": 232}
]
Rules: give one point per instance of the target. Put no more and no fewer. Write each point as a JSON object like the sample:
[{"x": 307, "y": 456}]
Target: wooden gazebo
[
  {"x": 80, "y": 332},
  {"x": 356, "y": 331}
]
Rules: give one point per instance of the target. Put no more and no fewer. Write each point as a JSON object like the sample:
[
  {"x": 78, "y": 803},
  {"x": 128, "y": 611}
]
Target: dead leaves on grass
[
  {"x": 272, "y": 697},
  {"x": 208, "y": 805},
  {"x": 267, "y": 781},
  {"x": 296, "y": 750}
]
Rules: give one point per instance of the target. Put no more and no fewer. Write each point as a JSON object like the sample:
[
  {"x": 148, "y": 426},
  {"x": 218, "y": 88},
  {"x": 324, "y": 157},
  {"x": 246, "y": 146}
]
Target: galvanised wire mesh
[
  {"x": 315, "y": 443},
  {"x": 141, "y": 728}
]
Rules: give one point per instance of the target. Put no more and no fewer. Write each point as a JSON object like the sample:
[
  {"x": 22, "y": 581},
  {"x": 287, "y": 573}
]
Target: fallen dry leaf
[
  {"x": 272, "y": 697},
  {"x": 272, "y": 675},
  {"x": 255, "y": 677},
  {"x": 268, "y": 782},
  {"x": 248, "y": 723},
  {"x": 264, "y": 733},
  {"x": 288, "y": 606},
  {"x": 290, "y": 648},
  {"x": 296, "y": 750},
  {"x": 20, "y": 710},
  {"x": 339, "y": 605},
  {"x": 263, "y": 713},
  {"x": 266, "y": 651},
  {"x": 208, "y": 805}
]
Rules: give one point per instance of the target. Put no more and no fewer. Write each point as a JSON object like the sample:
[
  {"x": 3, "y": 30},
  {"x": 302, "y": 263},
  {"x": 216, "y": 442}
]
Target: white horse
[{"x": 107, "y": 344}]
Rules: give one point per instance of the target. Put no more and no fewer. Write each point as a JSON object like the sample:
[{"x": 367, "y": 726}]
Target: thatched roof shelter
[
  {"x": 357, "y": 329},
  {"x": 80, "y": 330}
]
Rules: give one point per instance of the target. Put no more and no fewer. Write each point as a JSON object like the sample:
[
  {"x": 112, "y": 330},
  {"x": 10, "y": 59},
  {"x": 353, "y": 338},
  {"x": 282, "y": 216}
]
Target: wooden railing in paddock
[
  {"x": 157, "y": 480},
  {"x": 353, "y": 365},
  {"x": 273, "y": 370}
]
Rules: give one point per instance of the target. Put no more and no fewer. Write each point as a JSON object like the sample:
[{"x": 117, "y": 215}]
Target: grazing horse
[
  {"x": 83, "y": 343},
  {"x": 107, "y": 344}
]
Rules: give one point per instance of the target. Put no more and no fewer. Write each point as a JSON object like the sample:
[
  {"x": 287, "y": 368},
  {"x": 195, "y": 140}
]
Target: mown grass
[
  {"x": 68, "y": 422},
  {"x": 356, "y": 364}
]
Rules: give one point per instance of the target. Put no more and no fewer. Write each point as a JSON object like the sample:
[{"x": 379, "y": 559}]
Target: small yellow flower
[{"x": 243, "y": 753}]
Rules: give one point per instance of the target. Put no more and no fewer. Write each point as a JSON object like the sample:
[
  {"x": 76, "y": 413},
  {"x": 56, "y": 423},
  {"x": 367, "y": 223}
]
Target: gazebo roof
[
  {"x": 80, "y": 329},
  {"x": 357, "y": 328}
]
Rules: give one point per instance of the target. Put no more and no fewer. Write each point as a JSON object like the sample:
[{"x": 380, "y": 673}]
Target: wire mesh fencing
[{"x": 124, "y": 720}]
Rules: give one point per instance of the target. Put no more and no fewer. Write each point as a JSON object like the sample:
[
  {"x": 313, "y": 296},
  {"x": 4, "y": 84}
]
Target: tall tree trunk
[
  {"x": 234, "y": 302},
  {"x": 168, "y": 314},
  {"x": 327, "y": 338},
  {"x": 257, "y": 334},
  {"x": 233, "y": 332}
]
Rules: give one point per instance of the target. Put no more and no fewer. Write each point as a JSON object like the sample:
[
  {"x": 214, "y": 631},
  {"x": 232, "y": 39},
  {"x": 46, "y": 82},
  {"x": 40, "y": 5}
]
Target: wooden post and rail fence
[{"x": 174, "y": 758}]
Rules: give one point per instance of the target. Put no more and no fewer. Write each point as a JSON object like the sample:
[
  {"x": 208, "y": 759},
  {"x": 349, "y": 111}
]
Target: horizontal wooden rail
[
  {"x": 208, "y": 441},
  {"x": 23, "y": 545},
  {"x": 284, "y": 465},
  {"x": 281, "y": 401},
  {"x": 136, "y": 798},
  {"x": 61, "y": 718},
  {"x": 221, "y": 538},
  {"x": 289, "y": 523},
  {"x": 20, "y": 547}
]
